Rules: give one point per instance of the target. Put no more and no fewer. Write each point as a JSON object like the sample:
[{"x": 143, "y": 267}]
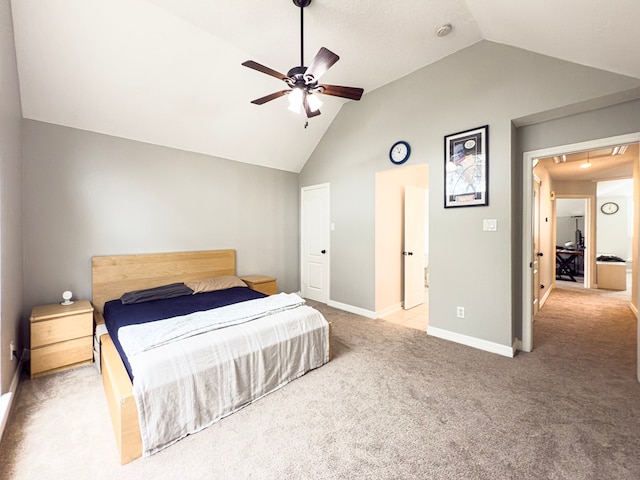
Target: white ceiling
[
  {"x": 604, "y": 165},
  {"x": 612, "y": 174},
  {"x": 169, "y": 72}
]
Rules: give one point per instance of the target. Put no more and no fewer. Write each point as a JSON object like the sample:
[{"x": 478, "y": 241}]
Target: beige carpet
[{"x": 393, "y": 404}]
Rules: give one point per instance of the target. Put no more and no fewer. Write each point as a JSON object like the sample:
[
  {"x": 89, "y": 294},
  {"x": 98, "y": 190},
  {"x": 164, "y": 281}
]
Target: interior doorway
[
  {"x": 389, "y": 244},
  {"x": 572, "y": 240},
  {"x": 558, "y": 154}
]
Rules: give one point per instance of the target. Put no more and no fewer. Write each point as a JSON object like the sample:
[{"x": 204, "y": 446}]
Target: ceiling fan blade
[
  {"x": 351, "y": 93},
  {"x": 268, "y": 98},
  {"x": 323, "y": 60},
  {"x": 307, "y": 109},
  {"x": 263, "y": 69}
]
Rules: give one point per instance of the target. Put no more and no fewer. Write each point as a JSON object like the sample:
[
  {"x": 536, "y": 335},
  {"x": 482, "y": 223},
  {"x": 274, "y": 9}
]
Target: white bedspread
[
  {"x": 183, "y": 386},
  {"x": 139, "y": 338}
]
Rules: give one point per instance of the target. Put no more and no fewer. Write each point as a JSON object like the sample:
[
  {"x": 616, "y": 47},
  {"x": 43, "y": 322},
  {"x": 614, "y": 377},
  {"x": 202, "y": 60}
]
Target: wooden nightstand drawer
[
  {"x": 62, "y": 354},
  {"x": 60, "y": 329},
  {"x": 260, "y": 283},
  {"x": 61, "y": 337}
]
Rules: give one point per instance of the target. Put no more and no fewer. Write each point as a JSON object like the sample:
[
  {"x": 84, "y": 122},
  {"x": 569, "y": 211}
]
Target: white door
[
  {"x": 413, "y": 253},
  {"x": 314, "y": 238}
]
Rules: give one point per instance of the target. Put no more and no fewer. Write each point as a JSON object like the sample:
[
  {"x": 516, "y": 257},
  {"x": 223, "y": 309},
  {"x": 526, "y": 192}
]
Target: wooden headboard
[{"x": 115, "y": 275}]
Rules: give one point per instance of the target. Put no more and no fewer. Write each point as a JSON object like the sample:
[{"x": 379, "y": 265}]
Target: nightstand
[
  {"x": 61, "y": 337},
  {"x": 260, "y": 283}
]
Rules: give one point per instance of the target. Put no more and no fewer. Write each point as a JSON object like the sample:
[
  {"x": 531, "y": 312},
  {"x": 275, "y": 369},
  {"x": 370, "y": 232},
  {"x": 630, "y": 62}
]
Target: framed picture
[{"x": 466, "y": 174}]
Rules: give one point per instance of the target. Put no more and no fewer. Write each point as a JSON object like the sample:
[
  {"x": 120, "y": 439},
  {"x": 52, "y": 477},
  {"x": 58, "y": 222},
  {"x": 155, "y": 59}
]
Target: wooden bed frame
[
  {"x": 111, "y": 277},
  {"x": 115, "y": 275}
]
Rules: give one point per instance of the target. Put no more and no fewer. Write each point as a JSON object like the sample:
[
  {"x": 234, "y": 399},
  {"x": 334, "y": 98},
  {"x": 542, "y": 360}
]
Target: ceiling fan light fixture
[
  {"x": 294, "y": 108},
  {"x": 303, "y": 80},
  {"x": 296, "y": 96},
  {"x": 586, "y": 164},
  {"x": 314, "y": 102}
]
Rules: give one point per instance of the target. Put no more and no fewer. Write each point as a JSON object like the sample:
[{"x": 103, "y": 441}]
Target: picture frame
[{"x": 466, "y": 172}]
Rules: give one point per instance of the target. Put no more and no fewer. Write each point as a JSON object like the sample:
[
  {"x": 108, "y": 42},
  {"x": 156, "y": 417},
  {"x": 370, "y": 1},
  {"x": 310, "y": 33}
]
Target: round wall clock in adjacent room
[
  {"x": 399, "y": 152},
  {"x": 609, "y": 208}
]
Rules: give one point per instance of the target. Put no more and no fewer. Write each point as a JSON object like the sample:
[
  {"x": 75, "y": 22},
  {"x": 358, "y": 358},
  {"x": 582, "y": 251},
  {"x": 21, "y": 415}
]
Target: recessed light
[
  {"x": 444, "y": 30},
  {"x": 619, "y": 150}
]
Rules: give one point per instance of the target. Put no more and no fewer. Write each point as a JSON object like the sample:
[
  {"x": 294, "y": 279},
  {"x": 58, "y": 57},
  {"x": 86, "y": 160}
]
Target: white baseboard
[
  {"x": 546, "y": 295},
  {"x": 6, "y": 400},
  {"x": 471, "y": 341},
  {"x": 352, "y": 309}
]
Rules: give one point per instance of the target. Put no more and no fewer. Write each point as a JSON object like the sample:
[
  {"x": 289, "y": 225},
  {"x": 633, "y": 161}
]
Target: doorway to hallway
[
  {"x": 571, "y": 187},
  {"x": 390, "y": 245}
]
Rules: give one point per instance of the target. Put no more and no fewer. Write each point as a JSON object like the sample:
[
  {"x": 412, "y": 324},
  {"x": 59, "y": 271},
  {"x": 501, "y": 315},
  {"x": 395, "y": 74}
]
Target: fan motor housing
[
  {"x": 301, "y": 3},
  {"x": 297, "y": 78},
  {"x": 295, "y": 72}
]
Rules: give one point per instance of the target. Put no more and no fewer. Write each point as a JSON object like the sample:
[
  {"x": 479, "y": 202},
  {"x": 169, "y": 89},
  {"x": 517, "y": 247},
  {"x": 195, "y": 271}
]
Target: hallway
[
  {"x": 579, "y": 287},
  {"x": 589, "y": 323}
]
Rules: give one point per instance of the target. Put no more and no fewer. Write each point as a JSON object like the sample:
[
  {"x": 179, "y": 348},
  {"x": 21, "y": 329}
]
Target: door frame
[{"x": 527, "y": 215}]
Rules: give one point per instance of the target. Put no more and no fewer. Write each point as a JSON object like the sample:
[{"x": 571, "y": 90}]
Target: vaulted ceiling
[{"x": 169, "y": 72}]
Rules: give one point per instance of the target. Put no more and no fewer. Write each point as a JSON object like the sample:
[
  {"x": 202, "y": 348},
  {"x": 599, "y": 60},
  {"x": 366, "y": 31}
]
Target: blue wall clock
[{"x": 399, "y": 152}]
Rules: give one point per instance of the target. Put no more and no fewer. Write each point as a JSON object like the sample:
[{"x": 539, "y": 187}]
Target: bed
[{"x": 113, "y": 276}]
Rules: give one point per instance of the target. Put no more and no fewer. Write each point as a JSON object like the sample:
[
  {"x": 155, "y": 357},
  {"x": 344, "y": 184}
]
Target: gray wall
[
  {"x": 605, "y": 122},
  {"x": 487, "y": 83},
  {"x": 88, "y": 194},
  {"x": 10, "y": 199}
]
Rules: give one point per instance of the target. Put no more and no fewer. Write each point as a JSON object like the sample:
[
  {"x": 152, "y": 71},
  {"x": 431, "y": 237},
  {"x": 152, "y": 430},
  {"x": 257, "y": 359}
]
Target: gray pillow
[{"x": 156, "y": 293}]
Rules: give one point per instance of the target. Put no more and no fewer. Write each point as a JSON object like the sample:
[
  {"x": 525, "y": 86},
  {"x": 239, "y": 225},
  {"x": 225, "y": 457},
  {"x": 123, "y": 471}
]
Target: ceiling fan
[{"x": 303, "y": 81}]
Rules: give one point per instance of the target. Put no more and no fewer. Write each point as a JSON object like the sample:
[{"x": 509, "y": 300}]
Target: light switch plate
[{"x": 490, "y": 225}]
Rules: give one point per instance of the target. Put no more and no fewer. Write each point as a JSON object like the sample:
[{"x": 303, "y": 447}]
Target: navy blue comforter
[{"x": 117, "y": 314}]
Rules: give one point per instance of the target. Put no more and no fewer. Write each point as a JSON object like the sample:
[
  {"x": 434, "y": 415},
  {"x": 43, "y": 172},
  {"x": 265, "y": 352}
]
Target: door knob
[
  {"x": 323, "y": 252},
  {"x": 540, "y": 254},
  {"x": 407, "y": 253}
]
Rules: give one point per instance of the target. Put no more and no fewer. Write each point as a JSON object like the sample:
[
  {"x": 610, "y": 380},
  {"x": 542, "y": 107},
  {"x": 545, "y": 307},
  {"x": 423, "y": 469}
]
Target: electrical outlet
[
  {"x": 12, "y": 348},
  {"x": 460, "y": 312}
]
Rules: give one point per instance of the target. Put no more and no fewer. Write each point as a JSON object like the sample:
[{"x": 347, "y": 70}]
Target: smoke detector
[{"x": 444, "y": 30}]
